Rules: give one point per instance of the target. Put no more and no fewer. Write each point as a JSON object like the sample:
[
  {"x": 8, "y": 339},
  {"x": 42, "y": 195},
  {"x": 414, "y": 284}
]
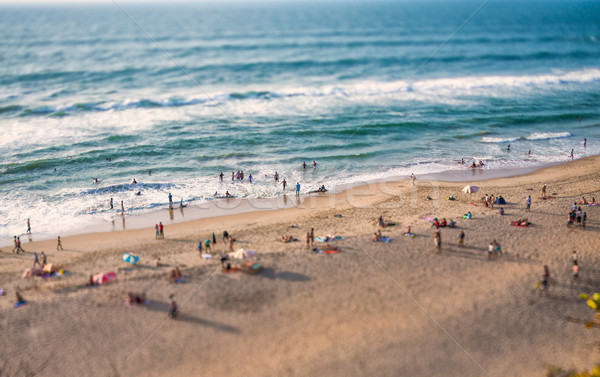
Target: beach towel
[
  {"x": 328, "y": 238},
  {"x": 332, "y": 251},
  {"x": 515, "y": 224},
  {"x": 428, "y": 218},
  {"x": 206, "y": 256},
  {"x": 20, "y": 303},
  {"x": 385, "y": 239},
  {"x": 409, "y": 235}
]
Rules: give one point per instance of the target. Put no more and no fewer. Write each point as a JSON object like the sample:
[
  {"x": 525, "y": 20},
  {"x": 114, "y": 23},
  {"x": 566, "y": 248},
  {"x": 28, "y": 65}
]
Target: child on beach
[{"x": 59, "y": 244}]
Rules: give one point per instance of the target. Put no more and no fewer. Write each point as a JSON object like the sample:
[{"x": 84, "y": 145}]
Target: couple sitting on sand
[
  {"x": 175, "y": 275},
  {"x": 585, "y": 202}
]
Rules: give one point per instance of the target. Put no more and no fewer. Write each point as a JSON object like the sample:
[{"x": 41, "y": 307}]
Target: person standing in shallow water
[{"x": 28, "y": 226}]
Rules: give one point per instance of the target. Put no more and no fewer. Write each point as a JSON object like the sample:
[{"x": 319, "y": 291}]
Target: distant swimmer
[
  {"x": 149, "y": 171},
  {"x": 227, "y": 194},
  {"x": 304, "y": 165},
  {"x": 221, "y": 177},
  {"x": 96, "y": 180},
  {"x": 508, "y": 148},
  {"x": 134, "y": 182},
  {"x": 138, "y": 193},
  {"x": 108, "y": 159},
  {"x": 528, "y": 153},
  {"x": 461, "y": 161},
  {"x": 585, "y": 142},
  {"x": 276, "y": 177}
]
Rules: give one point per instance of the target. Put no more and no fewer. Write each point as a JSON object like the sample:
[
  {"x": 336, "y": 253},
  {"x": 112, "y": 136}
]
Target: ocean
[{"x": 368, "y": 90}]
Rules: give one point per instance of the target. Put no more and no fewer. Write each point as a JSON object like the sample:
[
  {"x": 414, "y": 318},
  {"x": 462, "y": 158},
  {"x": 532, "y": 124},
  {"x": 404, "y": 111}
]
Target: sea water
[{"x": 368, "y": 90}]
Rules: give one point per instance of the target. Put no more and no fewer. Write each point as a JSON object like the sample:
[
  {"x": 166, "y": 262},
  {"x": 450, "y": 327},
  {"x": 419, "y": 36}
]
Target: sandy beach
[{"x": 403, "y": 308}]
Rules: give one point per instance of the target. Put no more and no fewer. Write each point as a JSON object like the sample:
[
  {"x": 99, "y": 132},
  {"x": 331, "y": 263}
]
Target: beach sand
[{"x": 398, "y": 309}]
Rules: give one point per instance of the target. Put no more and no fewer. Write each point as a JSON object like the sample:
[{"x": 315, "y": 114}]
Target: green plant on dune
[{"x": 594, "y": 303}]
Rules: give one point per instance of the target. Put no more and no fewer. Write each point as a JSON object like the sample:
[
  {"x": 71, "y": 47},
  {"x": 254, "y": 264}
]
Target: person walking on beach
[
  {"x": 461, "y": 238},
  {"x": 59, "y": 244},
  {"x": 36, "y": 260},
  {"x": 28, "y": 226},
  {"x": 308, "y": 240},
  {"x": 583, "y": 220},
  {"x": 111, "y": 203},
  {"x": 545, "y": 279},
  {"x": 200, "y": 249},
  {"x": 161, "y": 230},
  {"x": 284, "y": 183},
  {"x": 544, "y": 191},
  {"x": 156, "y": 232},
  {"x": 122, "y": 208},
  {"x": 170, "y": 201},
  {"x": 207, "y": 246},
  {"x": 44, "y": 259},
  {"x": 412, "y": 178},
  {"x": 572, "y": 150},
  {"x": 172, "y": 306},
  {"x": 225, "y": 236},
  {"x": 16, "y": 246},
  {"x": 230, "y": 243},
  {"x": 297, "y": 188},
  {"x": 528, "y": 203},
  {"x": 19, "y": 248},
  {"x": 312, "y": 236}
]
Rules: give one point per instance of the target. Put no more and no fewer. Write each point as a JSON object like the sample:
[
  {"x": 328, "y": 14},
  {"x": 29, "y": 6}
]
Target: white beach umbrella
[{"x": 470, "y": 189}]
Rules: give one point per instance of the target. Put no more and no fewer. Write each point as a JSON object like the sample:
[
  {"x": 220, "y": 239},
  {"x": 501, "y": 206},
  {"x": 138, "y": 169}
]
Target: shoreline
[{"x": 233, "y": 212}]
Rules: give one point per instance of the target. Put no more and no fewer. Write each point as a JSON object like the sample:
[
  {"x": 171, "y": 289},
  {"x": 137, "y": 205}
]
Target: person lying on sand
[
  {"x": 521, "y": 222},
  {"x": 583, "y": 201},
  {"x": 136, "y": 298},
  {"x": 286, "y": 239}
]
